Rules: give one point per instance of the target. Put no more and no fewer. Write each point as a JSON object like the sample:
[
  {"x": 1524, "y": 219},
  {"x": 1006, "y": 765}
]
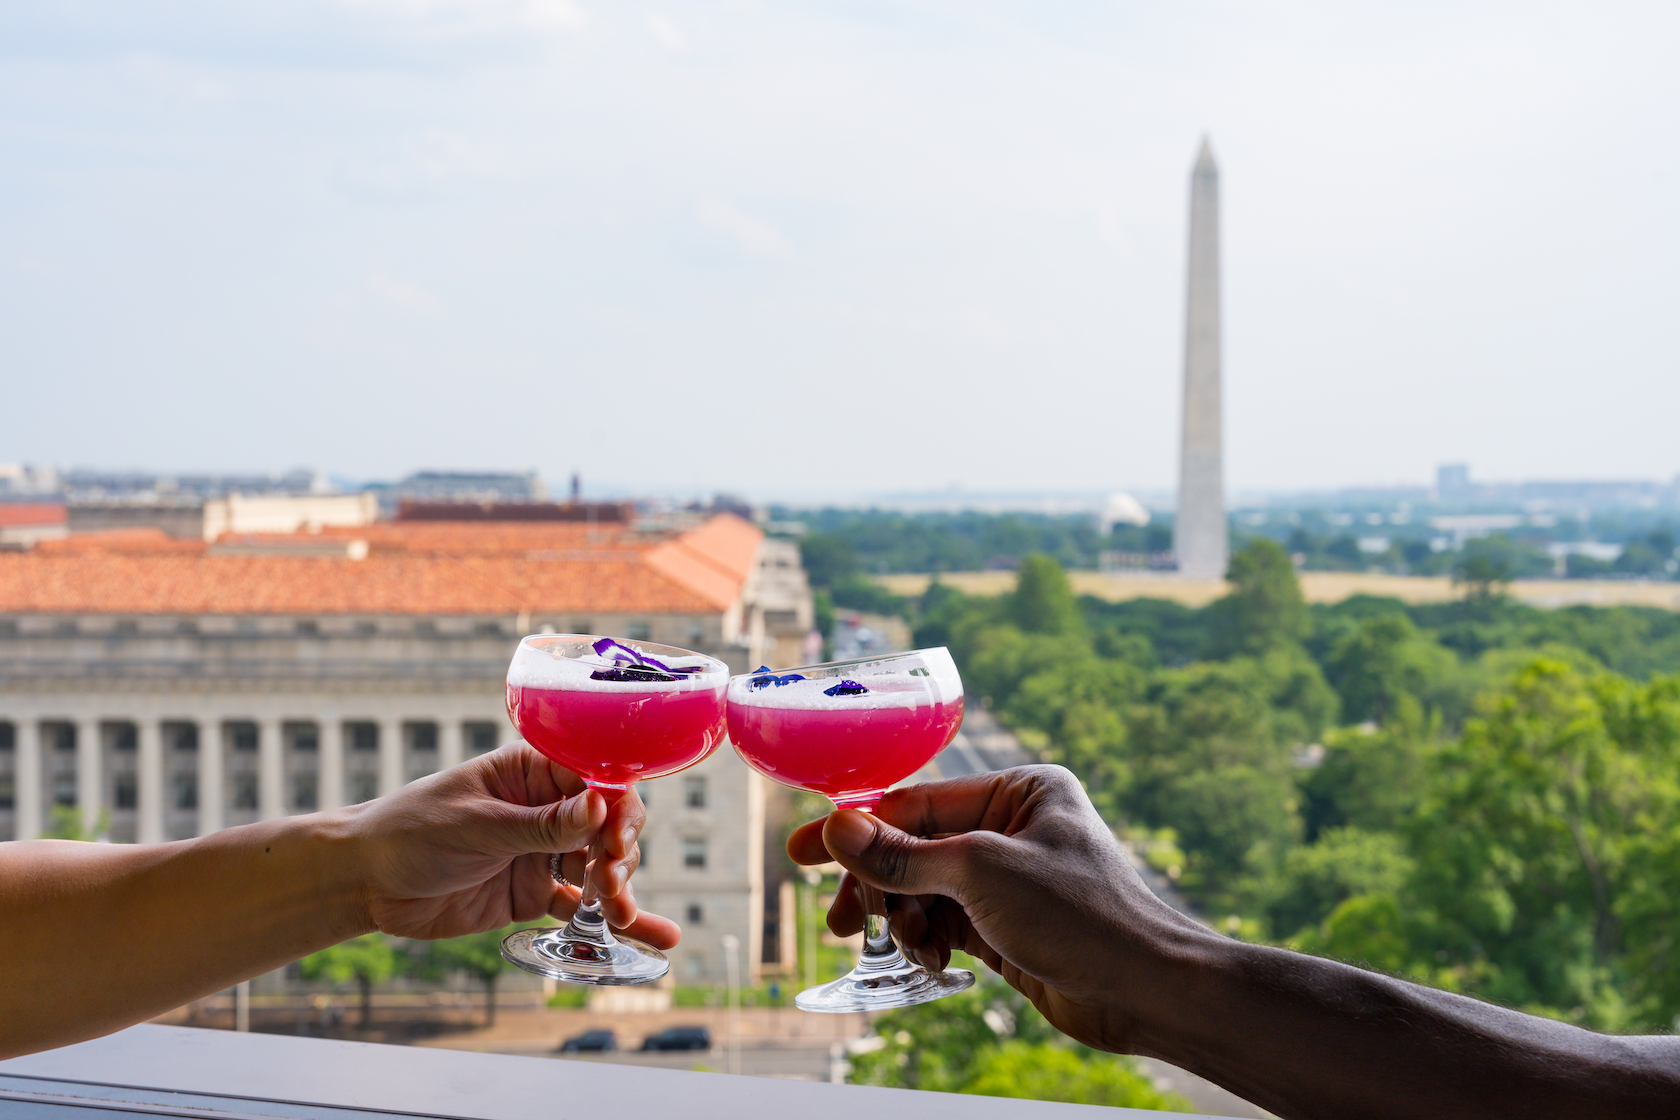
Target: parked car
[
  {"x": 590, "y": 1042},
  {"x": 679, "y": 1038}
]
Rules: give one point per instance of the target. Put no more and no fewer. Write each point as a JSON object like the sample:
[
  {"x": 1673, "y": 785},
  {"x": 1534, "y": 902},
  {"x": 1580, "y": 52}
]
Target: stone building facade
[{"x": 154, "y": 689}]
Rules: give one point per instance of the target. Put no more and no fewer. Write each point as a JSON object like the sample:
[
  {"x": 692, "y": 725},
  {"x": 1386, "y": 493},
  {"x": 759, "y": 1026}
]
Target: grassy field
[{"x": 1319, "y": 587}]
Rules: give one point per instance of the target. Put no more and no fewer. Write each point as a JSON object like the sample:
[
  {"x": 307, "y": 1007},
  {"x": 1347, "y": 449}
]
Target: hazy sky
[{"x": 831, "y": 247}]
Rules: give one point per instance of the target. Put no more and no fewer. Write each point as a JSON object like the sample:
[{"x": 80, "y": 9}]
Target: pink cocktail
[
  {"x": 849, "y": 749},
  {"x": 614, "y": 712},
  {"x": 849, "y": 730},
  {"x": 612, "y": 738}
]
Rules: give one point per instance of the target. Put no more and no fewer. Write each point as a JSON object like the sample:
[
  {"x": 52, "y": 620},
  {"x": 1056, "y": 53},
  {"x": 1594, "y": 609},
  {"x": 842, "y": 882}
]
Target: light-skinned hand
[{"x": 468, "y": 849}]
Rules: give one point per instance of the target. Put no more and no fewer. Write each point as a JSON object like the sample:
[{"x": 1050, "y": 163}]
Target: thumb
[
  {"x": 560, "y": 826},
  {"x": 893, "y": 860}
]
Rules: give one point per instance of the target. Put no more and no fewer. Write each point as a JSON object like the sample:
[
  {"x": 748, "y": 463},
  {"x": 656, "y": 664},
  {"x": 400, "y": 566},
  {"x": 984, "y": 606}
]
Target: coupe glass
[
  {"x": 848, "y": 730},
  {"x": 613, "y": 711}
]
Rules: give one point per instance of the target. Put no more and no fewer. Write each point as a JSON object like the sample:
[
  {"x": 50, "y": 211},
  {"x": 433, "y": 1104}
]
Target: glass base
[
  {"x": 877, "y": 989},
  {"x": 615, "y": 960}
]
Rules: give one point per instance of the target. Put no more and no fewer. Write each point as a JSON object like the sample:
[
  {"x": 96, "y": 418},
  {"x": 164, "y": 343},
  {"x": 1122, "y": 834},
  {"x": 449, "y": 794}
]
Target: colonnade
[{"x": 160, "y": 770}]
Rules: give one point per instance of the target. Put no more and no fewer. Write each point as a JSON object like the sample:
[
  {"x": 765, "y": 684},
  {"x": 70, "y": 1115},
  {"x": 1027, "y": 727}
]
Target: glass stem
[
  {"x": 587, "y": 922},
  {"x": 880, "y": 952},
  {"x": 878, "y": 944}
]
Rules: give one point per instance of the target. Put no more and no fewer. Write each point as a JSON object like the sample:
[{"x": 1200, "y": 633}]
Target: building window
[
  {"x": 306, "y": 737},
  {"x": 303, "y": 793},
  {"x": 488, "y": 629},
  {"x": 425, "y": 628},
  {"x": 124, "y": 795},
  {"x": 182, "y": 736},
  {"x": 245, "y": 739},
  {"x": 423, "y": 736},
  {"x": 127, "y": 627},
  {"x": 124, "y": 737},
  {"x": 696, "y": 914},
  {"x": 364, "y": 736},
  {"x": 583, "y": 626},
  {"x": 64, "y": 789},
  {"x": 366, "y": 628},
  {"x": 186, "y": 790},
  {"x": 481, "y": 737},
  {"x": 186, "y": 626},
  {"x": 363, "y": 787},
  {"x": 245, "y": 791},
  {"x": 696, "y": 634},
  {"x": 694, "y": 854},
  {"x": 694, "y": 792},
  {"x": 8, "y": 790},
  {"x": 638, "y": 631},
  {"x": 308, "y": 628}
]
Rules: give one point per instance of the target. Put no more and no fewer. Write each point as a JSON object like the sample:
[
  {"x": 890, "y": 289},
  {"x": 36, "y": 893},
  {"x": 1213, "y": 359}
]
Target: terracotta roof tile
[{"x": 141, "y": 572}]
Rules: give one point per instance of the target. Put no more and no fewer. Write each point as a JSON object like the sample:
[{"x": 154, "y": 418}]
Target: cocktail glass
[
  {"x": 848, "y": 730},
  {"x": 614, "y": 712}
]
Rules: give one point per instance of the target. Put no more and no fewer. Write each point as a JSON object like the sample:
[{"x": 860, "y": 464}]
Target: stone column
[
  {"x": 211, "y": 792},
  {"x": 30, "y": 798},
  {"x": 329, "y": 793},
  {"x": 450, "y": 747},
  {"x": 271, "y": 793},
  {"x": 391, "y": 768},
  {"x": 148, "y": 823},
  {"x": 90, "y": 768}
]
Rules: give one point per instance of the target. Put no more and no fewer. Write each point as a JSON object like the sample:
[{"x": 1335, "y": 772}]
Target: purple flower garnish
[
  {"x": 768, "y": 678},
  {"x": 631, "y": 673},
  {"x": 846, "y": 688},
  {"x": 643, "y": 667}
]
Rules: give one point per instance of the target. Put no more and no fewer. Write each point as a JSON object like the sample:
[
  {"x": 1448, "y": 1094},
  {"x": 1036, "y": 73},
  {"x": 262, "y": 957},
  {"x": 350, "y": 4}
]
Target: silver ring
[{"x": 554, "y": 868}]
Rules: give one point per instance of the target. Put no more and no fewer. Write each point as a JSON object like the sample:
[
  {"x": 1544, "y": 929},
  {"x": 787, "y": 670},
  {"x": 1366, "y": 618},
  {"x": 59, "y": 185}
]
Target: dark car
[
  {"x": 590, "y": 1042},
  {"x": 679, "y": 1038}
]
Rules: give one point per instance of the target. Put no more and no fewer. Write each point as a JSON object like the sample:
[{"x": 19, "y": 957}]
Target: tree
[
  {"x": 1381, "y": 659},
  {"x": 1047, "y": 1072},
  {"x": 368, "y": 960},
  {"x": 1043, "y": 602},
  {"x": 1370, "y": 779},
  {"x": 828, "y": 558},
  {"x": 1265, "y": 606},
  {"x": 65, "y": 823},
  {"x": 1530, "y": 842},
  {"x": 1080, "y": 706},
  {"x": 1315, "y": 879},
  {"x": 478, "y": 955}
]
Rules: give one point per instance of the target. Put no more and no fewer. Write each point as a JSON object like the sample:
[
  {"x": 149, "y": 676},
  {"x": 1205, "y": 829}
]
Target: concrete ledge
[{"x": 254, "y": 1075}]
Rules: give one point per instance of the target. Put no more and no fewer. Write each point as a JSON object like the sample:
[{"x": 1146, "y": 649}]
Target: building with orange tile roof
[{"x": 163, "y": 687}]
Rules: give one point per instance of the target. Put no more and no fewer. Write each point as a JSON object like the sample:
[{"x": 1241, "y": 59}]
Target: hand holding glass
[
  {"x": 614, "y": 712},
  {"x": 848, "y": 730}
]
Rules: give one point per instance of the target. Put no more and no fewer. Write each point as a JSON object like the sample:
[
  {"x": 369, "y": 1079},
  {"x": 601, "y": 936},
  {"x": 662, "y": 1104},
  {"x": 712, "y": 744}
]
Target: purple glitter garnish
[
  {"x": 632, "y": 666},
  {"x": 770, "y": 678},
  {"x": 846, "y": 688}
]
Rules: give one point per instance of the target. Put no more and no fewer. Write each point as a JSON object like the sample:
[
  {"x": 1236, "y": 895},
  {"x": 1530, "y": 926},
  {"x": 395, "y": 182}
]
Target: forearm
[
  {"x": 1308, "y": 1038},
  {"x": 111, "y": 934}
]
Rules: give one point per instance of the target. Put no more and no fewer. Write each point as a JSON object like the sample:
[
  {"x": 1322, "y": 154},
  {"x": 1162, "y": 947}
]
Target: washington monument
[{"x": 1199, "y": 534}]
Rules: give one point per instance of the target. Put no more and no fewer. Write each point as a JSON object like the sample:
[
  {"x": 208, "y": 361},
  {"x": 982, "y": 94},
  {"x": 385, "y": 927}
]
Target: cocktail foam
[
  {"x": 535, "y": 668},
  {"x": 886, "y": 690}
]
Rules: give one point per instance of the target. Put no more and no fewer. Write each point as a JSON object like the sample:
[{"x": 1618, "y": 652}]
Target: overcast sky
[{"x": 832, "y": 247}]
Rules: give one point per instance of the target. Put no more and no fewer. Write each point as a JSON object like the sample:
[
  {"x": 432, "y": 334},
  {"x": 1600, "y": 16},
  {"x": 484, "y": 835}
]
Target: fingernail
[
  {"x": 577, "y": 811},
  {"x": 627, "y": 837},
  {"x": 620, "y": 876},
  {"x": 849, "y": 832}
]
